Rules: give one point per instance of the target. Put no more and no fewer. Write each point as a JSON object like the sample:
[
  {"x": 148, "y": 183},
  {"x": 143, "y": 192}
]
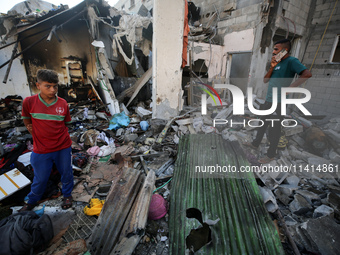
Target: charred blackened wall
[{"x": 75, "y": 43}]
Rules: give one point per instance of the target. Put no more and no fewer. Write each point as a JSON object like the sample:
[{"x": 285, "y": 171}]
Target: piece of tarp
[
  {"x": 24, "y": 232},
  {"x": 186, "y": 31}
]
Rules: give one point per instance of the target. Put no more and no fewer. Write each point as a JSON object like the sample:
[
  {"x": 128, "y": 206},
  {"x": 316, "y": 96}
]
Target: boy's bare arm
[{"x": 28, "y": 124}]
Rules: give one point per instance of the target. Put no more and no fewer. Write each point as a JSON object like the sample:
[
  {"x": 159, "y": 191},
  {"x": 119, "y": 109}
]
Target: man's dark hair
[
  {"x": 47, "y": 75},
  {"x": 285, "y": 43}
]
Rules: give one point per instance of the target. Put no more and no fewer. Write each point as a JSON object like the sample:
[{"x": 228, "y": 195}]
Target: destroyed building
[{"x": 134, "y": 76}]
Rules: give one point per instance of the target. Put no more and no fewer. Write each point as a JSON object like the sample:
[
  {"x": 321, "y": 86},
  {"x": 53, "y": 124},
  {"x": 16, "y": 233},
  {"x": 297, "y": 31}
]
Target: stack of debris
[
  {"x": 128, "y": 153},
  {"x": 301, "y": 186}
]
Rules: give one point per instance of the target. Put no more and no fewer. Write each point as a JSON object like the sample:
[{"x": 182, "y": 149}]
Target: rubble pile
[
  {"x": 302, "y": 184},
  {"x": 303, "y": 193},
  {"x": 103, "y": 147}
]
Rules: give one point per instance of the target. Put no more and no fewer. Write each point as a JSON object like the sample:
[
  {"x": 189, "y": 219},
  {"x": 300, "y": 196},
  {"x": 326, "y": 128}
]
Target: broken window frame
[{"x": 336, "y": 48}]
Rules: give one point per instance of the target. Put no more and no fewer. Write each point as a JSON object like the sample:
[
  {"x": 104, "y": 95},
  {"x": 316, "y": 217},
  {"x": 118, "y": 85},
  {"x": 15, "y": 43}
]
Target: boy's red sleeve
[
  {"x": 67, "y": 116},
  {"x": 25, "y": 112}
]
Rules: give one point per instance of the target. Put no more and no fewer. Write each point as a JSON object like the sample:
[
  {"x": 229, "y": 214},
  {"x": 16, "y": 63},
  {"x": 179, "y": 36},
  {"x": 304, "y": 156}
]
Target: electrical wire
[
  {"x": 286, "y": 23},
  {"x": 294, "y": 27},
  {"x": 162, "y": 185}
]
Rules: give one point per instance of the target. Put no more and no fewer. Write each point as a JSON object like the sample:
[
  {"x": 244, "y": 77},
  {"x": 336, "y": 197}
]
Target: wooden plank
[
  {"x": 133, "y": 91},
  {"x": 134, "y": 227},
  {"x": 115, "y": 211}
]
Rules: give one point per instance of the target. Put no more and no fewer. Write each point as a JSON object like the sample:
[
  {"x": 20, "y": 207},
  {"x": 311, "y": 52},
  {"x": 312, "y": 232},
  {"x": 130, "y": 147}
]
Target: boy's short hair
[
  {"x": 285, "y": 43},
  {"x": 47, "y": 75}
]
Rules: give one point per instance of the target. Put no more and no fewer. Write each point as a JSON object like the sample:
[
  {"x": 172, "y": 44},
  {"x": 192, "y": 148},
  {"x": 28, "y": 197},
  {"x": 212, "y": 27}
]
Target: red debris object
[{"x": 158, "y": 207}]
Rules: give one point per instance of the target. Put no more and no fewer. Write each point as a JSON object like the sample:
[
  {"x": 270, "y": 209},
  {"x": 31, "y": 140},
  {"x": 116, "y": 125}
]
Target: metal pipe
[{"x": 10, "y": 62}]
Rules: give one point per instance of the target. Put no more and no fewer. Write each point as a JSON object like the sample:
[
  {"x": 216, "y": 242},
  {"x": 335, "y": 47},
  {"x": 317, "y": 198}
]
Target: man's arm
[
  {"x": 306, "y": 74},
  {"x": 273, "y": 63},
  {"x": 28, "y": 124}
]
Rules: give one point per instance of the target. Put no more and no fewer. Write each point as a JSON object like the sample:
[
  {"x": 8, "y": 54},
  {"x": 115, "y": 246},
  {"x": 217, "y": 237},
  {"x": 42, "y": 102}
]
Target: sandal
[
  {"x": 26, "y": 207},
  {"x": 67, "y": 203}
]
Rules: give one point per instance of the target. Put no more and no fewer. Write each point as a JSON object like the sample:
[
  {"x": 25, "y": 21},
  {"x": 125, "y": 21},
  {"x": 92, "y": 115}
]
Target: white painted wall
[
  {"x": 167, "y": 47},
  {"x": 212, "y": 56},
  {"x": 239, "y": 41},
  {"x": 17, "y": 80}
]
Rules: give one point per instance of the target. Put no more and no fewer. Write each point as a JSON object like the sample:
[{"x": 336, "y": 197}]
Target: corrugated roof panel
[{"x": 245, "y": 226}]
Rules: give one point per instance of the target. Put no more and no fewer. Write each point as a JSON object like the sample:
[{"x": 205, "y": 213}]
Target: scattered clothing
[{"x": 24, "y": 232}]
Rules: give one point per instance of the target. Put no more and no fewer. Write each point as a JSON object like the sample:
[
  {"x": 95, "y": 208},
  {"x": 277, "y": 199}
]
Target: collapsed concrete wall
[{"x": 251, "y": 28}]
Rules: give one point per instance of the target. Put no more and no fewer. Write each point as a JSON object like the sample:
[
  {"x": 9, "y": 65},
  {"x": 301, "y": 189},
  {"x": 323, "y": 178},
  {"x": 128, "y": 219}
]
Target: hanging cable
[{"x": 316, "y": 53}]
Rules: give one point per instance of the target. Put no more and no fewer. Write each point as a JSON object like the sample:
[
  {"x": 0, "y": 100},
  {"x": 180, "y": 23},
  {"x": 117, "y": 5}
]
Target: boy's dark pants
[
  {"x": 42, "y": 166},
  {"x": 274, "y": 132}
]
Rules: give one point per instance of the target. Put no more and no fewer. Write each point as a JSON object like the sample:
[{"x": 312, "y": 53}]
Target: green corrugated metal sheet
[{"x": 245, "y": 226}]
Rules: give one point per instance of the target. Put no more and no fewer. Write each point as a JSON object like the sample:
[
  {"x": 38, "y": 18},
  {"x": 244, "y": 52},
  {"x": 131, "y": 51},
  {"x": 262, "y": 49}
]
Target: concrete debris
[
  {"x": 334, "y": 189},
  {"x": 290, "y": 221},
  {"x": 333, "y": 135},
  {"x": 326, "y": 241},
  {"x": 292, "y": 180},
  {"x": 334, "y": 157},
  {"x": 323, "y": 210},
  {"x": 309, "y": 196},
  {"x": 334, "y": 202},
  {"x": 299, "y": 205},
  {"x": 143, "y": 112},
  {"x": 281, "y": 194},
  {"x": 268, "y": 199},
  {"x": 289, "y": 131}
]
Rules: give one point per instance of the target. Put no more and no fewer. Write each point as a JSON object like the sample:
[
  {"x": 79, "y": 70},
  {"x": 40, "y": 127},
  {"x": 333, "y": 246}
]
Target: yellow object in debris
[{"x": 95, "y": 207}]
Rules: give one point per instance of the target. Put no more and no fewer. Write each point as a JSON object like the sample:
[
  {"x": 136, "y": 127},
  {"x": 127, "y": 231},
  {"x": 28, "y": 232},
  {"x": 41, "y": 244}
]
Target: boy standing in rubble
[
  {"x": 45, "y": 116},
  {"x": 280, "y": 74}
]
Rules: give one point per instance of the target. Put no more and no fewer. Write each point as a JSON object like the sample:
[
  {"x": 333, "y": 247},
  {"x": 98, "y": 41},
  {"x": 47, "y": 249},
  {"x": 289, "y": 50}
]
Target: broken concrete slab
[
  {"x": 334, "y": 202},
  {"x": 287, "y": 189},
  {"x": 130, "y": 137},
  {"x": 300, "y": 141},
  {"x": 323, "y": 210},
  {"x": 299, "y": 205},
  {"x": 309, "y": 196},
  {"x": 280, "y": 195},
  {"x": 334, "y": 189},
  {"x": 303, "y": 240},
  {"x": 307, "y": 157},
  {"x": 186, "y": 121},
  {"x": 290, "y": 221},
  {"x": 334, "y": 157},
  {"x": 327, "y": 241},
  {"x": 292, "y": 180},
  {"x": 268, "y": 199},
  {"x": 293, "y": 130},
  {"x": 333, "y": 135}
]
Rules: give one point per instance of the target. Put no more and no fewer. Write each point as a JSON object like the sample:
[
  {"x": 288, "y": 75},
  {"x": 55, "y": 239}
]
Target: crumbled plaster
[{"x": 165, "y": 108}]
